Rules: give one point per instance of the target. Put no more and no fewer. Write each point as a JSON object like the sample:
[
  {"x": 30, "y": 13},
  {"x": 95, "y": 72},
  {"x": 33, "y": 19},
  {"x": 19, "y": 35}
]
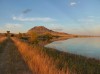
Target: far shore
[{"x": 43, "y": 43}]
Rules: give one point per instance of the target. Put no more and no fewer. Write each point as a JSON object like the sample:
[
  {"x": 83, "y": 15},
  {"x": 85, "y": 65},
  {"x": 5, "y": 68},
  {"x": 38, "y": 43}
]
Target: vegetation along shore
[{"x": 37, "y": 59}]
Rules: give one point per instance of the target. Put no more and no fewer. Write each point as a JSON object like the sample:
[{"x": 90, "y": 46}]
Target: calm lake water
[{"x": 89, "y": 47}]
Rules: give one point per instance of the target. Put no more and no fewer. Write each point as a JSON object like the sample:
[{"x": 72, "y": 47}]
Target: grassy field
[
  {"x": 51, "y": 61},
  {"x": 38, "y": 61}
]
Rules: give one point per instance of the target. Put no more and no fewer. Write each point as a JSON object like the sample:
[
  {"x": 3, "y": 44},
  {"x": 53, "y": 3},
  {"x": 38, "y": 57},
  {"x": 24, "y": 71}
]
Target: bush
[
  {"x": 33, "y": 37},
  {"x": 20, "y": 35},
  {"x": 46, "y": 36}
]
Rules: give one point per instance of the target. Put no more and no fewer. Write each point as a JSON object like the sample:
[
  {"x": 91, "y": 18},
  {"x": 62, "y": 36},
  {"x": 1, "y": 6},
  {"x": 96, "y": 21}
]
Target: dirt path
[{"x": 11, "y": 61}]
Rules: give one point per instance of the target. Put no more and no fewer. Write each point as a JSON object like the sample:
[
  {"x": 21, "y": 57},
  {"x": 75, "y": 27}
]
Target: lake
[{"x": 89, "y": 47}]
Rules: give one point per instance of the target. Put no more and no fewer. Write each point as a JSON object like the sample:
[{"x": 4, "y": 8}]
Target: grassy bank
[
  {"x": 38, "y": 61},
  {"x": 76, "y": 63},
  {"x": 52, "y": 61}
]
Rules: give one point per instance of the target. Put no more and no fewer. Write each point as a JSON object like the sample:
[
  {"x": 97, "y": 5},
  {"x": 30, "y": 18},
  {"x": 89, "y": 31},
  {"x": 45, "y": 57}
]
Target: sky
[{"x": 70, "y": 16}]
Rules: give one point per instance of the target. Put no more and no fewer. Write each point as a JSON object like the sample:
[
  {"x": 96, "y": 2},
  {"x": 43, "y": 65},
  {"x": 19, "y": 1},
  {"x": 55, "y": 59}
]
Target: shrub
[
  {"x": 33, "y": 37},
  {"x": 46, "y": 36},
  {"x": 20, "y": 35}
]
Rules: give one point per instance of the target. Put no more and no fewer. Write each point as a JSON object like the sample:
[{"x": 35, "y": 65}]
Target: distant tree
[
  {"x": 46, "y": 36},
  {"x": 20, "y": 35},
  {"x": 33, "y": 37},
  {"x": 12, "y": 35},
  {"x": 24, "y": 34}
]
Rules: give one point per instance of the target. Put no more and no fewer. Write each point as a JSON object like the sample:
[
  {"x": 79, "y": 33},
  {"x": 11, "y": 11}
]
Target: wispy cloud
[
  {"x": 30, "y": 19},
  {"x": 73, "y": 3},
  {"x": 11, "y": 26},
  {"x": 55, "y": 27},
  {"x": 94, "y": 17},
  {"x": 89, "y": 19},
  {"x": 26, "y": 11},
  {"x": 86, "y": 20}
]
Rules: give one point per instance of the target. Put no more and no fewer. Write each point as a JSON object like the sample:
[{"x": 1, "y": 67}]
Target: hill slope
[{"x": 43, "y": 30}]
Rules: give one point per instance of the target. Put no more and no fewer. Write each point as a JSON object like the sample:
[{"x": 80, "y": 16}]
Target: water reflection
[{"x": 89, "y": 47}]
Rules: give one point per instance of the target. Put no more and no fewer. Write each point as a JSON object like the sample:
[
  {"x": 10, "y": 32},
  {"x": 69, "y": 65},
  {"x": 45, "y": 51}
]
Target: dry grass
[
  {"x": 11, "y": 61},
  {"x": 2, "y": 39},
  {"x": 2, "y": 43},
  {"x": 37, "y": 61},
  {"x": 77, "y": 64}
]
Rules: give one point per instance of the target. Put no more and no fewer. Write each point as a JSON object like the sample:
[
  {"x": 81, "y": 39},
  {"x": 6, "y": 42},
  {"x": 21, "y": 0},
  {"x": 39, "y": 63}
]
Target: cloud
[
  {"x": 56, "y": 27},
  {"x": 90, "y": 25},
  {"x": 13, "y": 26},
  {"x": 44, "y": 19},
  {"x": 73, "y": 3},
  {"x": 86, "y": 20},
  {"x": 89, "y": 19},
  {"x": 59, "y": 29},
  {"x": 94, "y": 17},
  {"x": 26, "y": 11}
]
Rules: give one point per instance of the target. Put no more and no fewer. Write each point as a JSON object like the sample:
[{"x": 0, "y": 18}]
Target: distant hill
[{"x": 42, "y": 30}]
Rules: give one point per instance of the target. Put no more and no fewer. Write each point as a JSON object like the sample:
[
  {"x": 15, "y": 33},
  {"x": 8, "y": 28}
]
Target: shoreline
[
  {"x": 64, "y": 38},
  {"x": 75, "y": 63},
  {"x": 78, "y": 63}
]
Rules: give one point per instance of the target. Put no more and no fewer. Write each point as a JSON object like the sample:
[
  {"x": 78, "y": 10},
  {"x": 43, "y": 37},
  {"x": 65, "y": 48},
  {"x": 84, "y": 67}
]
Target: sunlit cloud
[
  {"x": 73, "y": 3},
  {"x": 56, "y": 27},
  {"x": 30, "y": 19}
]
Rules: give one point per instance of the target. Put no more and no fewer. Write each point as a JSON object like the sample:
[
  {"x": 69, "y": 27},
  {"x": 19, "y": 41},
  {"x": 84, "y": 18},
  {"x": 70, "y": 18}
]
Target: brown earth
[{"x": 11, "y": 62}]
